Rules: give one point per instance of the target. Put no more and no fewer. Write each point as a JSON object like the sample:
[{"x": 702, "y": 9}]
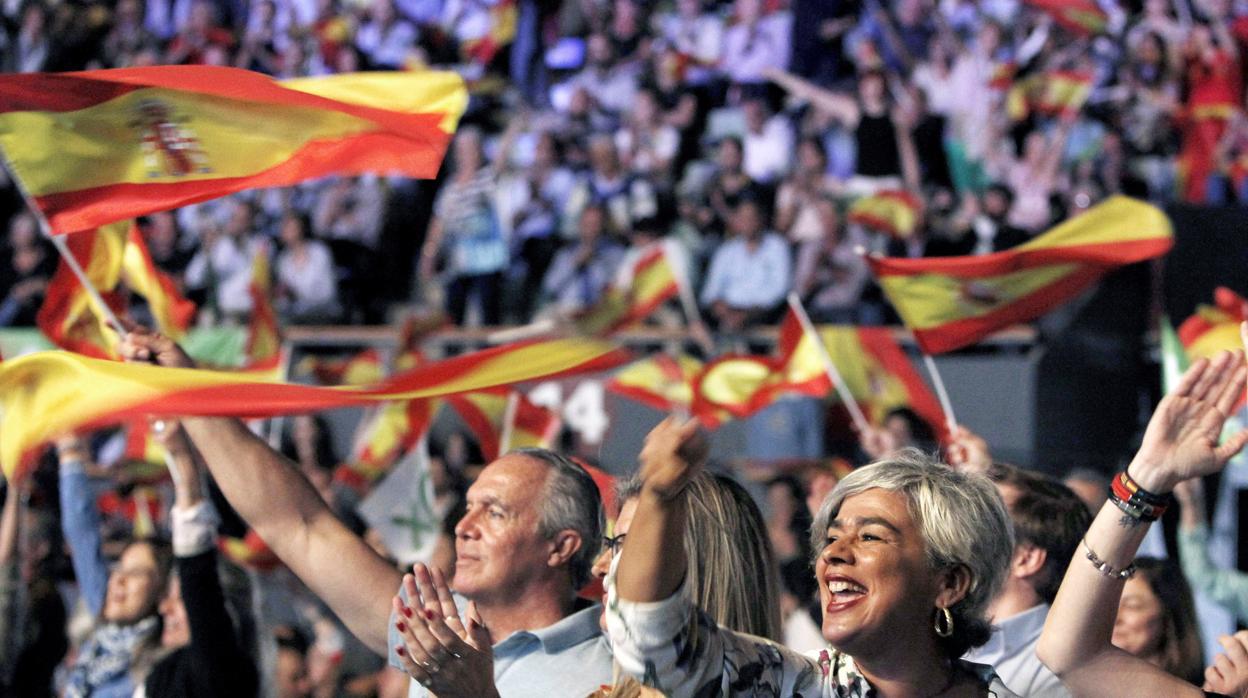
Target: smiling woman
[{"x": 910, "y": 554}]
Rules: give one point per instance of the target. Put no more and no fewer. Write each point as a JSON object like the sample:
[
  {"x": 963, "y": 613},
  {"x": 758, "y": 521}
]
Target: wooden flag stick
[{"x": 808, "y": 328}]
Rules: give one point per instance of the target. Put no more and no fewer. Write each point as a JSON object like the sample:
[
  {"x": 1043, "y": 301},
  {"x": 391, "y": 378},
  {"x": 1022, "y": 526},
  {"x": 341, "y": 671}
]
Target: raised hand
[
  {"x": 140, "y": 344},
  {"x": 1181, "y": 441},
  {"x": 443, "y": 653},
  {"x": 967, "y": 451},
  {"x": 1229, "y": 672},
  {"x": 673, "y": 453}
]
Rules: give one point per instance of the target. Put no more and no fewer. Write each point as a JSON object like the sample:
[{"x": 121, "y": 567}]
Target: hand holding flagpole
[{"x": 808, "y": 328}]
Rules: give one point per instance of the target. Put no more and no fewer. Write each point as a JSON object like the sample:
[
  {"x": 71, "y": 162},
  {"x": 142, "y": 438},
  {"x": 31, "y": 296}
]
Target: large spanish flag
[
  {"x": 50, "y": 393},
  {"x": 99, "y": 146},
  {"x": 952, "y": 302}
]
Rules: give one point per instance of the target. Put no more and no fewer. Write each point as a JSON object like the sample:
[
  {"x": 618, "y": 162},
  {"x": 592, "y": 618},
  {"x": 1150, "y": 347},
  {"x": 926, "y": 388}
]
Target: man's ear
[
  {"x": 562, "y": 547},
  {"x": 955, "y": 584},
  {"x": 1028, "y": 560}
]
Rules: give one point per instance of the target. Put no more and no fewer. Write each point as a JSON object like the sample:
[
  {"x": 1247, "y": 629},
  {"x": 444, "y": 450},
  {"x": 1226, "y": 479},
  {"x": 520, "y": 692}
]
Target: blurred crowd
[{"x": 742, "y": 131}]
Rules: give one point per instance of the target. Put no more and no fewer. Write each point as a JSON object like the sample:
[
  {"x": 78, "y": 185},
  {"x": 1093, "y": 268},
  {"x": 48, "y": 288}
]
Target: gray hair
[
  {"x": 570, "y": 502},
  {"x": 962, "y": 520}
]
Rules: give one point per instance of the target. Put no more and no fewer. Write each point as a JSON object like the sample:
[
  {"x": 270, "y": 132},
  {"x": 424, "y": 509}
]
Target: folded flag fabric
[
  {"x": 250, "y": 551},
  {"x": 894, "y": 213},
  {"x": 391, "y": 432},
  {"x": 1214, "y": 328},
  {"x": 264, "y": 334},
  {"x": 50, "y": 393},
  {"x": 99, "y": 146},
  {"x": 364, "y": 367},
  {"x": 952, "y": 302}
]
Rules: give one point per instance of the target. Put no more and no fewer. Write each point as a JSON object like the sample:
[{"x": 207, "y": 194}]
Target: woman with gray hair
[{"x": 910, "y": 552}]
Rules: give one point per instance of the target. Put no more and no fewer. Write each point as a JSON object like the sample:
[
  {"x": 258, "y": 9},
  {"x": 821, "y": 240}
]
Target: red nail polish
[
  {"x": 402, "y": 628},
  {"x": 407, "y": 611},
  {"x": 429, "y": 614},
  {"x": 401, "y": 652}
]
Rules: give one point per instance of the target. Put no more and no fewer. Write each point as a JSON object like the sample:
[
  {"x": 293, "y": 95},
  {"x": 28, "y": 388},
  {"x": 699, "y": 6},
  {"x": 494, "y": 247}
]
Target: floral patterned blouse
[{"x": 672, "y": 646}]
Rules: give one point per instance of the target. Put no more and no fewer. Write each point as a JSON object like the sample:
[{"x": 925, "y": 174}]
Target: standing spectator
[
  {"x": 749, "y": 274},
  {"x": 626, "y": 198},
  {"x": 646, "y": 144},
  {"x": 32, "y": 45},
  {"x": 695, "y": 36},
  {"x": 1033, "y": 178},
  {"x": 1213, "y": 96},
  {"x": 797, "y": 204},
  {"x": 830, "y": 274},
  {"x": 582, "y": 272},
  {"x": 465, "y": 221},
  {"x": 728, "y": 187},
  {"x": 222, "y": 266},
  {"x": 612, "y": 85},
  {"x": 127, "y": 36}
]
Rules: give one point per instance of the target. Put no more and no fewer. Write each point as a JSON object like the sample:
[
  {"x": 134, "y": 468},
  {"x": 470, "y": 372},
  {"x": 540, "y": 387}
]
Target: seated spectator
[
  {"x": 767, "y": 143},
  {"x": 755, "y": 43},
  {"x": 830, "y": 274},
  {"x": 351, "y": 209},
  {"x": 612, "y": 85},
  {"x": 221, "y": 268},
  {"x": 160, "y": 232},
  {"x": 646, "y": 145},
  {"x": 307, "y": 286},
  {"x": 581, "y": 272},
  {"x": 696, "y": 36},
  {"x": 626, "y": 198},
  {"x": 28, "y": 268},
  {"x": 750, "y": 273},
  {"x": 386, "y": 39},
  {"x": 728, "y": 186},
  {"x": 798, "y": 213}
]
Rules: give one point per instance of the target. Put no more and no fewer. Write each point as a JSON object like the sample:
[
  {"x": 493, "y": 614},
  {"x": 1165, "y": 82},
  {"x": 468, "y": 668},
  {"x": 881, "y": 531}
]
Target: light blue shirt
[
  {"x": 570, "y": 658},
  {"x": 1012, "y": 652},
  {"x": 749, "y": 279}
]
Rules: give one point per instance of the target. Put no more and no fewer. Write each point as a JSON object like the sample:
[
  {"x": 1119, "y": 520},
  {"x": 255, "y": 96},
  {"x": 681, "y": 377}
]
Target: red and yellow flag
[
  {"x": 50, "y": 393},
  {"x": 143, "y": 457},
  {"x": 895, "y": 213},
  {"x": 1061, "y": 92},
  {"x": 364, "y": 367},
  {"x": 503, "y": 17},
  {"x": 952, "y": 302},
  {"x": 492, "y": 415},
  {"x": 395, "y": 428},
  {"x": 99, "y": 146},
  {"x": 876, "y": 372},
  {"x": 264, "y": 334},
  {"x": 249, "y": 551},
  {"x": 659, "y": 381},
  {"x": 654, "y": 281},
  {"x": 1083, "y": 17},
  {"x": 1214, "y": 328},
  {"x": 111, "y": 256}
]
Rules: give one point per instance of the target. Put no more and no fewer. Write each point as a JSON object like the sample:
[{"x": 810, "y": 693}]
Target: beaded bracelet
[{"x": 1107, "y": 569}]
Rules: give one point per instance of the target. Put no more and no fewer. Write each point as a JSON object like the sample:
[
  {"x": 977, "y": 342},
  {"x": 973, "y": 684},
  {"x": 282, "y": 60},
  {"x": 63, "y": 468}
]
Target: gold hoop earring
[{"x": 943, "y": 625}]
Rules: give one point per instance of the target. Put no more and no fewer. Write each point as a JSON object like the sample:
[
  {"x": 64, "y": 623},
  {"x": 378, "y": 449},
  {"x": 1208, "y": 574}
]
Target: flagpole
[
  {"x": 808, "y": 328},
  {"x": 509, "y": 419},
  {"x": 59, "y": 243},
  {"x": 950, "y": 421},
  {"x": 279, "y": 422}
]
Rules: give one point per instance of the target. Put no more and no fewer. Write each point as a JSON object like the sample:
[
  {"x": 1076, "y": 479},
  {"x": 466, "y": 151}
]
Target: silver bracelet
[{"x": 1107, "y": 569}]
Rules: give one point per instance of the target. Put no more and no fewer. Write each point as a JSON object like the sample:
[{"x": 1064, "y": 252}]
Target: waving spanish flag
[
  {"x": 661, "y": 381},
  {"x": 99, "y": 146},
  {"x": 388, "y": 435},
  {"x": 895, "y": 213},
  {"x": 50, "y": 393},
  {"x": 264, "y": 334},
  {"x": 653, "y": 282},
  {"x": 952, "y": 302},
  {"x": 1214, "y": 328},
  {"x": 112, "y": 255}
]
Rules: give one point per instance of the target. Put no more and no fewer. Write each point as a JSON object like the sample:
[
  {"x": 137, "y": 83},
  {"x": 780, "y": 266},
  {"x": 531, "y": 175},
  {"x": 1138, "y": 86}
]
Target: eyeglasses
[{"x": 614, "y": 544}]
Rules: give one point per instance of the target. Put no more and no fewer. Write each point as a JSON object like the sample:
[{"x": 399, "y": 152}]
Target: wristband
[{"x": 1134, "y": 501}]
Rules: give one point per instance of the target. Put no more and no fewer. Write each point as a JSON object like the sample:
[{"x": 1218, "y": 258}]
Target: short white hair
[{"x": 961, "y": 518}]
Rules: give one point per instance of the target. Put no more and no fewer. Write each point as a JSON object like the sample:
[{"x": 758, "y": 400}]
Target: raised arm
[
  {"x": 80, "y": 522},
  {"x": 270, "y": 493},
  {"x": 1227, "y": 587},
  {"x": 652, "y": 565},
  {"x": 1180, "y": 443},
  {"x": 841, "y": 107}
]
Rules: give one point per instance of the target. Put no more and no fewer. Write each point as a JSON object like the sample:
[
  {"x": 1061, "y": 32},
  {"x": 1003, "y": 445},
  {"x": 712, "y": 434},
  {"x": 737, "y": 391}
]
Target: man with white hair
[{"x": 524, "y": 547}]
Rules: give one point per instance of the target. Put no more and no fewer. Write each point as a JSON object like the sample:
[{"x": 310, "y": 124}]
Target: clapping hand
[{"x": 439, "y": 650}]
